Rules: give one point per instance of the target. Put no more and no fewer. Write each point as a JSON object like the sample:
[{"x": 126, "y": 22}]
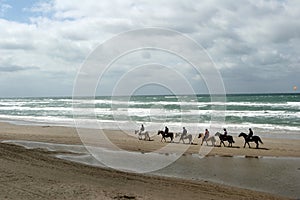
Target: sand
[{"x": 37, "y": 174}]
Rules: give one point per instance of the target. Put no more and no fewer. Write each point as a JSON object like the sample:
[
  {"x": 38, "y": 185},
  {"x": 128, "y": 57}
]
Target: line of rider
[
  {"x": 249, "y": 137},
  {"x": 206, "y": 135}
]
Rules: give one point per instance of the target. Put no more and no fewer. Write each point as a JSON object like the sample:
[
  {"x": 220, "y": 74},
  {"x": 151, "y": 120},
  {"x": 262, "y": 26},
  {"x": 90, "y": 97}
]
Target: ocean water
[{"x": 270, "y": 115}]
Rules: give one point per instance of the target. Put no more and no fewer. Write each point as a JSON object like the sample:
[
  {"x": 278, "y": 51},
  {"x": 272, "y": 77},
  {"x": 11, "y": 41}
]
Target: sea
[{"x": 269, "y": 115}]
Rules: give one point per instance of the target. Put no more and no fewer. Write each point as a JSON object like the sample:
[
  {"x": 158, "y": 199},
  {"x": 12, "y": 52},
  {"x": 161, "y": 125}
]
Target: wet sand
[{"x": 37, "y": 174}]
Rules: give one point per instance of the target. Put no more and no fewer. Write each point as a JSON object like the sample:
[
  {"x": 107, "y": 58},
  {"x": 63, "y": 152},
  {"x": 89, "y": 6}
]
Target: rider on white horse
[
  {"x": 206, "y": 135},
  {"x": 184, "y": 134},
  {"x": 142, "y": 129}
]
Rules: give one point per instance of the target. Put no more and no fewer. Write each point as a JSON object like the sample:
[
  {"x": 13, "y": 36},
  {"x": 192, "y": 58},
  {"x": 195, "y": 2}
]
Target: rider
[
  {"x": 184, "y": 132},
  {"x": 225, "y": 132},
  {"x": 250, "y": 134},
  {"x": 166, "y": 130},
  {"x": 206, "y": 135},
  {"x": 142, "y": 128}
]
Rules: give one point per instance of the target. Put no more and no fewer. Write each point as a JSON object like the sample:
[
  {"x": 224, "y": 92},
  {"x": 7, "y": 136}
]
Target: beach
[{"x": 38, "y": 174}]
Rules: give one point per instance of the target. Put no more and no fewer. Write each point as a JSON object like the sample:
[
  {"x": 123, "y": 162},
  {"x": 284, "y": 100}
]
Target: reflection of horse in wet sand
[
  {"x": 223, "y": 138},
  {"x": 141, "y": 134},
  {"x": 212, "y": 139},
  {"x": 165, "y": 135},
  {"x": 254, "y": 138},
  {"x": 183, "y": 137}
]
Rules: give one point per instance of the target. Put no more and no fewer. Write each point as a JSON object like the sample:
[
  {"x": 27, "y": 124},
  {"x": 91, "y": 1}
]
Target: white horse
[
  {"x": 212, "y": 139},
  {"x": 189, "y": 136},
  {"x": 141, "y": 134}
]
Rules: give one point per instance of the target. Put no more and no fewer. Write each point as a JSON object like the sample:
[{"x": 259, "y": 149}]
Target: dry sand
[{"x": 37, "y": 174}]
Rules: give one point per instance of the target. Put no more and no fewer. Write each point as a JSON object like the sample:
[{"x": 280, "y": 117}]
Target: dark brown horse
[
  {"x": 223, "y": 138},
  {"x": 254, "y": 138},
  {"x": 165, "y": 135}
]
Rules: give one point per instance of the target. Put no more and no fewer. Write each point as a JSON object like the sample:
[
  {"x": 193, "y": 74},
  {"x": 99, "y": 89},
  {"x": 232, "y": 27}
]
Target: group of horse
[{"x": 256, "y": 139}]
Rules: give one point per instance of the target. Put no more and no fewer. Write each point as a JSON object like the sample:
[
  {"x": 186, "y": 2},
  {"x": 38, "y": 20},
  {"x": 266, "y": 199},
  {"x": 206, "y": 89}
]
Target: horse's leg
[
  {"x": 256, "y": 144},
  {"x": 220, "y": 143},
  {"x": 249, "y": 144},
  {"x": 223, "y": 143}
]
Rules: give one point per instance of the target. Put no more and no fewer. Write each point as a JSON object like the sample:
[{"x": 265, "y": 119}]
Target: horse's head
[
  {"x": 200, "y": 135},
  {"x": 242, "y": 134},
  {"x": 159, "y": 132},
  {"x": 218, "y": 134},
  {"x": 177, "y": 134},
  {"x": 136, "y": 131}
]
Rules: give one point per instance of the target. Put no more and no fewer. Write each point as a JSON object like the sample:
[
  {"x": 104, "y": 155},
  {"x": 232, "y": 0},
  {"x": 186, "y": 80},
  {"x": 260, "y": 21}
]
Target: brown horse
[
  {"x": 165, "y": 135},
  {"x": 223, "y": 138},
  {"x": 254, "y": 138}
]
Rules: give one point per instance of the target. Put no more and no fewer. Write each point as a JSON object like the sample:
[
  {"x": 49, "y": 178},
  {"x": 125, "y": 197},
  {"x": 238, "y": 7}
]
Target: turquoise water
[{"x": 266, "y": 113}]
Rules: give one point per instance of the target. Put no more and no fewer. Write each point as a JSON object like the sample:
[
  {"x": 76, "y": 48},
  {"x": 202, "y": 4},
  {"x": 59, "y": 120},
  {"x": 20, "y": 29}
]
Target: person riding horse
[
  {"x": 166, "y": 130},
  {"x": 184, "y": 134},
  {"x": 206, "y": 135},
  {"x": 225, "y": 133},
  {"x": 142, "y": 128},
  {"x": 249, "y": 137}
]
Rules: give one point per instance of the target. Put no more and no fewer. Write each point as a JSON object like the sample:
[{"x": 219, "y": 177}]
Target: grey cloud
[
  {"x": 14, "y": 45},
  {"x": 16, "y": 68},
  {"x": 252, "y": 42}
]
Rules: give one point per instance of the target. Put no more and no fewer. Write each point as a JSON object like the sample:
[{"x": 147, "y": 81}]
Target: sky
[{"x": 254, "y": 44}]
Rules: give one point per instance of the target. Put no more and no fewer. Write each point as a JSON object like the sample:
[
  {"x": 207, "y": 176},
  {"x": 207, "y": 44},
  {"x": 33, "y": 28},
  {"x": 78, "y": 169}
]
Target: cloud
[
  {"x": 4, "y": 7},
  {"x": 15, "y": 68},
  {"x": 248, "y": 40}
]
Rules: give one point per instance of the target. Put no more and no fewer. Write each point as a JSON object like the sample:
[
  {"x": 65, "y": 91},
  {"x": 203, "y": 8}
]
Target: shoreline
[
  {"x": 268, "y": 133},
  {"x": 67, "y": 135},
  {"x": 128, "y": 141}
]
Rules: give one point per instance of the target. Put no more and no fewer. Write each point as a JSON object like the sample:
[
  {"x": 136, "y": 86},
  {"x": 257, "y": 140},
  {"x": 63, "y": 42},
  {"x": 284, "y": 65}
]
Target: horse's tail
[
  {"x": 260, "y": 140},
  {"x": 232, "y": 139}
]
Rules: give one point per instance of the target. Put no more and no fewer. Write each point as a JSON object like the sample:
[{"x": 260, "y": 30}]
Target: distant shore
[{"x": 32, "y": 174}]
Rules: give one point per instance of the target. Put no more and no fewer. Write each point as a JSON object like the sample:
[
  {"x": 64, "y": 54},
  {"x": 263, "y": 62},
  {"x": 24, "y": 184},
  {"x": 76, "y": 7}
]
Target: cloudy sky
[{"x": 254, "y": 44}]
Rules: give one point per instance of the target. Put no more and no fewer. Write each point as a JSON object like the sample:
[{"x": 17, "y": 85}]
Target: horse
[
  {"x": 211, "y": 138},
  {"x": 141, "y": 134},
  {"x": 223, "y": 138},
  {"x": 165, "y": 135},
  {"x": 254, "y": 138},
  {"x": 189, "y": 136}
]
